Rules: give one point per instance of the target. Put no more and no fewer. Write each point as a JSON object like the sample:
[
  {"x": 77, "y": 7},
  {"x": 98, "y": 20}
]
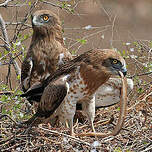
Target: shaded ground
[
  {"x": 135, "y": 135},
  {"x": 125, "y": 25}
]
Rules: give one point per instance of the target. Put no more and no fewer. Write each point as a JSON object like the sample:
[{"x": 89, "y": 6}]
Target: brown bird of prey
[
  {"x": 109, "y": 93},
  {"x": 46, "y": 52},
  {"x": 106, "y": 95},
  {"x": 76, "y": 80}
]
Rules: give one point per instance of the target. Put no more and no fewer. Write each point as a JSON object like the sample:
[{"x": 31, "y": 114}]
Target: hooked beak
[
  {"x": 124, "y": 71},
  {"x": 32, "y": 20}
]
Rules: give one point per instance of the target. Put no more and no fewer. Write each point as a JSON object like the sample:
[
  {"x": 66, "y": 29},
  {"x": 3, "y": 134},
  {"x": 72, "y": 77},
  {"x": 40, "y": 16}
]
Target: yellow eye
[
  {"x": 45, "y": 18},
  {"x": 115, "y": 61}
]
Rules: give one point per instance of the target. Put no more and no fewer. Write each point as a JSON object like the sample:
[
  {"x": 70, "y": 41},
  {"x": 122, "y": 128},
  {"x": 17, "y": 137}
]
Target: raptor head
[
  {"x": 107, "y": 61},
  {"x": 98, "y": 65},
  {"x": 46, "y": 23},
  {"x": 114, "y": 63}
]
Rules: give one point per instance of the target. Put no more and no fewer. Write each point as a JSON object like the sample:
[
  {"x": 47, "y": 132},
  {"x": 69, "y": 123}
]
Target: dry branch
[
  {"x": 7, "y": 46},
  {"x": 5, "y": 3},
  {"x": 6, "y": 92}
]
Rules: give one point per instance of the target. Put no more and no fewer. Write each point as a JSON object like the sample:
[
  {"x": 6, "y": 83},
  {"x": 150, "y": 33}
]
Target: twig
[
  {"x": 7, "y": 46},
  {"x": 55, "y": 5},
  {"x": 87, "y": 36},
  {"x": 50, "y": 3},
  {"x": 147, "y": 148},
  {"x": 141, "y": 74},
  {"x": 5, "y": 3},
  {"x": 5, "y": 115},
  {"x": 9, "y": 72},
  {"x": 18, "y": 23},
  {"x": 24, "y": 20},
  {"x": 73, "y": 138},
  {"x": 112, "y": 31},
  {"x": 139, "y": 101},
  {"x": 104, "y": 10},
  {"x": 6, "y": 92}
]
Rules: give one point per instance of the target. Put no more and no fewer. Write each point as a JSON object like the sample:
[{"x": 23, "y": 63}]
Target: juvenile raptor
[{"x": 46, "y": 52}]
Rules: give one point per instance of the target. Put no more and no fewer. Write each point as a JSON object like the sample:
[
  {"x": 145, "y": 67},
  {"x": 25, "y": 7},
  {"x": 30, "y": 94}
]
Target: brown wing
[
  {"x": 67, "y": 68},
  {"x": 27, "y": 66},
  {"x": 52, "y": 97}
]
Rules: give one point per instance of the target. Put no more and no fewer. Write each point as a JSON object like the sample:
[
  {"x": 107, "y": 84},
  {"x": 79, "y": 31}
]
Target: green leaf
[
  {"x": 4, "y": 111},
  {"x": 18, "y": 77},
  {"x": 140, "y": 90},
  {"x": 118, "y": 109},
  {"x": 29, "y": 3},
  {"x": 26, "y": 36},
  {"x": 118, "y": 149},
  {"x": 123, "y": 52},
  {"x": 73, "y": 52},
  {"x": 3, "y": 98},
  {"x": 150, "y": 44},
  {"x": 82, "y": 41}
]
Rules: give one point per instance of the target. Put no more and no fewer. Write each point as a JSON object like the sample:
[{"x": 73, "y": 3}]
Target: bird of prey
[
  {"x": 77, "y": 80},
  {"x": 46, "y": 52},
  {"x": 109, "y": 93}
]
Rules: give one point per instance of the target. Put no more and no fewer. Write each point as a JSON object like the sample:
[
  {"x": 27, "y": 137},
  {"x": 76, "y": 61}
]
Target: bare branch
[
  {"x": 140, "y": 74},
  {"x": 5, "y": 115},
  {"x": 3, "y": 28},
  {"x": 7, "y": 46},
  {"x": 6, "y": 92},
  {"x": 24, "y": 20},
  {"x": 5, "y": 3},
  {"x": 56, "y": 5},
  {"x": 18, "y": 23},
  {"x": 112, "y": 31},
  {"x": 71, "y": 137},
  {"x": 50, "y": 3}
]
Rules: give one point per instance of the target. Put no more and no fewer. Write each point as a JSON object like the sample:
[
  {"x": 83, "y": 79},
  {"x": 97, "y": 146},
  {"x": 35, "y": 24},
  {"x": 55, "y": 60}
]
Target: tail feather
[{"x": 34, "y": 121}]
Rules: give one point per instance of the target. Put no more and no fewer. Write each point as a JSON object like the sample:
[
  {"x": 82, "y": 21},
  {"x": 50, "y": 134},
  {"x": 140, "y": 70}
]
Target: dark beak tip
[{"x": 124, "y": 73}]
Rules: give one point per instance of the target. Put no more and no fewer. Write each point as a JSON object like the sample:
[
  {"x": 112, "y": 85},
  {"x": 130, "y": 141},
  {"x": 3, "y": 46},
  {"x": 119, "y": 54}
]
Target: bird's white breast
[
  {"x": 75, "y": 92},
  {"x": 109, "y": 93}
]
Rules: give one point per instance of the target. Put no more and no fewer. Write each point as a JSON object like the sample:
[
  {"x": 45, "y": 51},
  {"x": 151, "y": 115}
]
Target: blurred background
[{"x": 124, "y": 25}]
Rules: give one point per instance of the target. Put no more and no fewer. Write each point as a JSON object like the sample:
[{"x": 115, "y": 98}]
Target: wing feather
[
  {"x": 27, "y": 67},
  {"x": 52, "y": 97}
]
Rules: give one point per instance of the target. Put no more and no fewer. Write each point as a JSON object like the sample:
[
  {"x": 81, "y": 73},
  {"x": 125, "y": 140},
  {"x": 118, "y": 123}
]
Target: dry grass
[{"x": 136, "y": 134}]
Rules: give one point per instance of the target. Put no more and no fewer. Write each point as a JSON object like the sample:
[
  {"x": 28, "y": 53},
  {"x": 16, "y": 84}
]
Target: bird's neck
[
  {"x": 47, "y": 35},
  {"x": 93, "y": 78}
]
